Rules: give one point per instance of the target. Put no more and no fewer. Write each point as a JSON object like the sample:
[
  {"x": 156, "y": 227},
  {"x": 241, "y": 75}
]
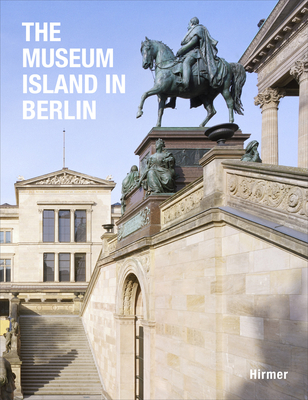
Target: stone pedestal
[
  {"x": 15, "y": 362},
  {"x": 141, "y": 219},
  {"x": 188, "y": 145},
  {"x": 213, "y": 173}
]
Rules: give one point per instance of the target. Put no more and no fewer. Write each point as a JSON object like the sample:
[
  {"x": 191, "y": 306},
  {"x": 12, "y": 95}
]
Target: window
[
  {"x": 48, "y": 226},
  {"x": 64, "y": 226},
  {"x": 4, "y": 308},
  {"x": 80, "y": 226},
  {"x": 80, "y": 267},
  {"x": 5, "y": 237},
  {"x": 5, "y": 270},
  {"x": 64, "y": 267},
  {"x": 49, "y": 267}
]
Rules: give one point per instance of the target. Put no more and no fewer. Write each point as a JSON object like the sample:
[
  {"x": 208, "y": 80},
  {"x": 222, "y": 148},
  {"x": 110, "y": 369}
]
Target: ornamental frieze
[
  {"x": 183, "y": 206},
  {"x": 289, "y": 198},
  {"x": 66, "y": 179}
]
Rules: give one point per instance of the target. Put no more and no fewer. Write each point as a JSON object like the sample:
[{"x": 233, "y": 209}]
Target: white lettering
[
  {"x": 84, "y": 58},
  {"x": 87, "y": 109},
  {"x": 27, "y": 25},
  {"x": 38, "y": 31},
  {"x": 100, "y": 57},
  {"x": 55, "y": 107},
  {"x": 116, "y": 82},
  {"x": 35, "y": 58},
  {"x": 62, "y": 58},
  {"x": 78, "y": 85},
  {"x": 25, "y": 84},
  {"x": 107, "y": 83},
  {"x": 28, "y": 107},
  {"x": 53, "y": 31},
  {"x": 87, "y": 84},
  {"x": 61, "y": 84},
  {"x": 253, "y": 374},
  {"x": 32, "y": 81},
  {"x": 74, "y": 57},
  {"x": 45, "y": 89},
  {"x": 267, "y": 374},
  {"x": 51, "y": 58},
  {"x": 41, "y": 109}
]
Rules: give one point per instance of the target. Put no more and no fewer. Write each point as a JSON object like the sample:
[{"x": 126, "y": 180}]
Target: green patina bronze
[
  {"x": 159, "y": 175},
  {"x": 252, "y": 154},
  {"x": 197, "y": 74},
  {"x": 128, "y": 184}
]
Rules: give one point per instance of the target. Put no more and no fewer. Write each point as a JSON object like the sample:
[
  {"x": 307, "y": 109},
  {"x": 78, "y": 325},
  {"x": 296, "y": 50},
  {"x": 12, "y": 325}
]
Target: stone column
[
  {"x": 56, "y": 225},
  {"x": 56, "y": 265},
  {"x": 89, "y": 225},
  {"x": 40, "y": 224},
  {"x": 269, "y": 101},
  {"x": 72, "y": 267},
  {"x": 72, "y": 226},
  {"x": 300, "y": 73}
]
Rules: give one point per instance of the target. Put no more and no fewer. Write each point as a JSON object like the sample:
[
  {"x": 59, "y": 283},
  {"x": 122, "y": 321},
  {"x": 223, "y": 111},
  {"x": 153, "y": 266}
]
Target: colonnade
[{"x": 268, "y": 100}]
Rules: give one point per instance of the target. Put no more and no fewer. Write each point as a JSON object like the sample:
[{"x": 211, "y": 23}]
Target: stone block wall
[{"x": 100, "y": 326}]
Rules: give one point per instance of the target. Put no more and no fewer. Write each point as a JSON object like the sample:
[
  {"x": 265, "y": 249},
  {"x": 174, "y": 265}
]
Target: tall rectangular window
[
  {"x": 64, "y": 267},
  {"x": 49, "y": 267},
  {"x": 8, "y": 237},
  {"x": 80, "y": 226},
  {"x": 5, "y": 270},
  {"x": 48, "y": 226},
  {"x": 5, "y": 237},
  {"x": 64, "y": 226},
  {"x": 80, "y": 267}
]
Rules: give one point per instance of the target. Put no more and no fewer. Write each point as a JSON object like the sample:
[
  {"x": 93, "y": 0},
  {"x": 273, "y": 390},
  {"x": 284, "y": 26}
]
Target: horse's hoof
[{"x": 139, "y": 114}]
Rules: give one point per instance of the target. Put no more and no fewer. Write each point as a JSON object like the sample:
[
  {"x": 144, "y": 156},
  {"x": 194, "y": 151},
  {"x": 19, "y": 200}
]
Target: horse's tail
[{"x": 237, "y": 83}]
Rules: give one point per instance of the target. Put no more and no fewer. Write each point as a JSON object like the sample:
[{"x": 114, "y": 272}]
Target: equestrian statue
[{"x": 195, "y": 73}]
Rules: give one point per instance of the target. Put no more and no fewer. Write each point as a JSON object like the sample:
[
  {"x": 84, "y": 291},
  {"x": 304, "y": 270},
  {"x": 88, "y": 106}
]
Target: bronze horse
[{"x": 167, "y": 77}]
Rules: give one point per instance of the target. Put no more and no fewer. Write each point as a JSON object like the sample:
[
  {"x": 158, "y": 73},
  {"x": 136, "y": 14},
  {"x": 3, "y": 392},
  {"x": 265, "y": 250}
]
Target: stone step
[{"x": 56, "y": 357}]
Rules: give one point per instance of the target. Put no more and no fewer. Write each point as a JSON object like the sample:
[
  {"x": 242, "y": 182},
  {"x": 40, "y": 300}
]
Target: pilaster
[{"x": 269, "y": 102}]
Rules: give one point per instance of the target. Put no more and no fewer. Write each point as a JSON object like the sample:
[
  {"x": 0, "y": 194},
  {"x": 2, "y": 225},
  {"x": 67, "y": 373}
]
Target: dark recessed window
[
  {"x": 64, "y": 226},
  {"x": 5, "y": 270},
  {"x": 80, "y": 226},
  {"x": 4, "y": 308},
  {"x": 49, "y": 267},
  {"x": 64, "y": 267},
  {"x": 48, "y": 226},
  {"x": 80, "y": 267}
]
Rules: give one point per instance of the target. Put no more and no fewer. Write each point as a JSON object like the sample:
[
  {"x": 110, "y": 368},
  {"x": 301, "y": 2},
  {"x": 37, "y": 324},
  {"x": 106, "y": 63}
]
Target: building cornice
[{"x": 261, "y": 48}]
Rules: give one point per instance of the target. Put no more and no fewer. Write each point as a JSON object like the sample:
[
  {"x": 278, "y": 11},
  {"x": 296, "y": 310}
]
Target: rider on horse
[{"x": 198, "y": 46}]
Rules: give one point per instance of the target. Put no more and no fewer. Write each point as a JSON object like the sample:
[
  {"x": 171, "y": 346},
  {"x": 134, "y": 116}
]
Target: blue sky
[{"x": 106, "y": 145}]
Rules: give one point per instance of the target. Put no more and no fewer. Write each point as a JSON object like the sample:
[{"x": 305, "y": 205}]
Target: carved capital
[
  {"x": 269, "y": 96},
  {"x": 300, "y": 69}
]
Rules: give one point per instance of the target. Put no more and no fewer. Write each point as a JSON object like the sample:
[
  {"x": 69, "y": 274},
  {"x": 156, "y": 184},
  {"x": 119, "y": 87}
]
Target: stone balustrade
[
  {"x": 276, "y": 193},
  {"x": 182, "y": 204}
]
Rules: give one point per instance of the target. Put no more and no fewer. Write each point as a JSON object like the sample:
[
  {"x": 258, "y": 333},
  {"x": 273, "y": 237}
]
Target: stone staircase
[{"x": 56, "y": 357}]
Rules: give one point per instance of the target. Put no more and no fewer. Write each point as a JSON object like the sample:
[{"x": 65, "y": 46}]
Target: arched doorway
[{"x": 130, "y": 335}]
